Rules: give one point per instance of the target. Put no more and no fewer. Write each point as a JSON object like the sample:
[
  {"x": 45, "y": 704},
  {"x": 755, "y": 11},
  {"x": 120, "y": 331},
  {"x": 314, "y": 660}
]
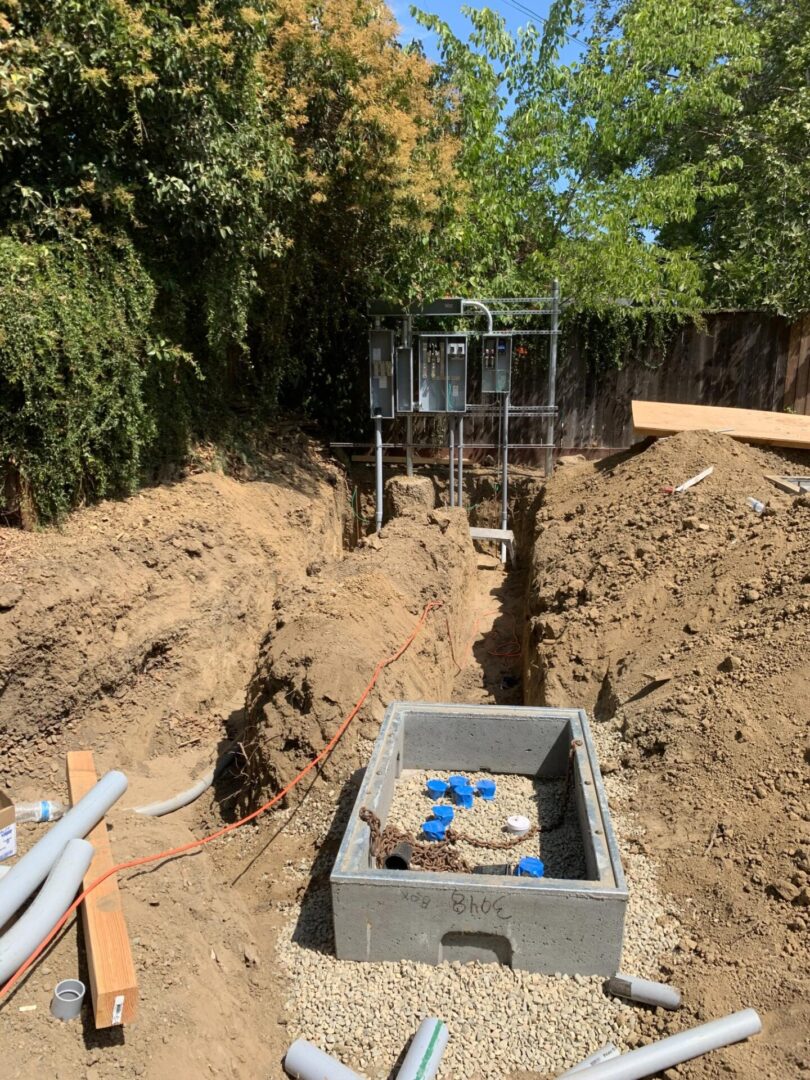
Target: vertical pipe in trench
[
  {"x": 451, "y": 446},
  {"x": 505, "y": 474},
  {"x": 552, "y": 373},
  {"x": 461, "y": 461},
  {"x": 378, "y": 469}
]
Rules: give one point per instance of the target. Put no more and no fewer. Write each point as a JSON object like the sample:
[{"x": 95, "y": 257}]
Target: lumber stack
[{"x": 752, "y": 425}]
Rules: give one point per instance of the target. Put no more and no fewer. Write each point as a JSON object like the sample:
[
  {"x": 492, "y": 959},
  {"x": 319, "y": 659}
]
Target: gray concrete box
[{"x": 546, "y": 924}]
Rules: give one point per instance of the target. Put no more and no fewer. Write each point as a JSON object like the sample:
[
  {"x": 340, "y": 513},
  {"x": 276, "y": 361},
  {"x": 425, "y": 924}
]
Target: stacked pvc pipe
[
  {"x": 51, "y": 903},
  {"x": 31, "y": 870},
  {"x": 648, "y": 1060}
]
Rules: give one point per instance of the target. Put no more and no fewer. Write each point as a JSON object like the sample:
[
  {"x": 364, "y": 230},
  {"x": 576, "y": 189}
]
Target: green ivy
[{"x": 74, "y": 322}]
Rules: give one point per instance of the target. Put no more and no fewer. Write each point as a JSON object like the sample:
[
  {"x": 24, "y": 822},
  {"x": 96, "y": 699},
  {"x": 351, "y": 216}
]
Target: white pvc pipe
[
  {"x": 658, "y": 1056},
  {"x": 31, "y": 870},
  {"x": 306, "y": 1062},
  {"x": 604, "y": 1053},
  {"x": 645, "y": 991},
  {"x": 183, "y": 798},
  {"x": 50, "y": 904},
  {"x": 425, "y": 1052}
]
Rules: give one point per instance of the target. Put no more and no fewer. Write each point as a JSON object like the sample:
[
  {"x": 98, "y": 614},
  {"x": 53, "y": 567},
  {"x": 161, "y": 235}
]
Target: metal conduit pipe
[
  {"x": 666, "y": 1053},
  {"x": 47, "y": 908},
  {"x": 177, "y": 802},
  {"x": 461, "y": 461},
  {"x": 32, "y": 869},
  {"x": 451, "y": 446}
]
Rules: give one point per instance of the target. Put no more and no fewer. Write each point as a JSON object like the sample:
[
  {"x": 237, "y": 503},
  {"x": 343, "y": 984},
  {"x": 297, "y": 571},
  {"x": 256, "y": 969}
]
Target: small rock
[
  {"x": 730, "y": 663},
  {"x": 10, "y": 596},
  {"x": 251, "y": 956}
]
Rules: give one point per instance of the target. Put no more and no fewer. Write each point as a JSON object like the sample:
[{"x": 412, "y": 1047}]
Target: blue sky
[{"x": 450, "y": 11}]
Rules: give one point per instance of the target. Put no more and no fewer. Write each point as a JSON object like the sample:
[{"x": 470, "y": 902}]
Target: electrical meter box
[
  {"x": 404, "y": 364},
  {"x": 442, "y": 373},
  {"x": 496, "y": 364},
  {"x": 381, "y": 373}
]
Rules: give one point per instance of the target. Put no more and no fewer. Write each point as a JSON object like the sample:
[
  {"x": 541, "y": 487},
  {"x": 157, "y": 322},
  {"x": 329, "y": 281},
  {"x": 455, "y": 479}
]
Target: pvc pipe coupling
[{"x": 68, "y": 998}]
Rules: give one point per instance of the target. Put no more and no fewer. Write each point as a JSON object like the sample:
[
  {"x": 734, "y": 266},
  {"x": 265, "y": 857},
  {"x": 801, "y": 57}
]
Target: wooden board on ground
[
  {"x": 753, "y": 425},
  {"x": 113, "y": 983}
]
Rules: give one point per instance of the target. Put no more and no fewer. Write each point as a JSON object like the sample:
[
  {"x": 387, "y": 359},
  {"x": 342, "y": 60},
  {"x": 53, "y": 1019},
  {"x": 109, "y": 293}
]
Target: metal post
[
  {"x": 552, "y": 373},
  {"x": 378, "y": 468},
  {"x": 451, "y": 425},
  {"x": 461, "y": 461},
  {"x": 406, "y": 343},
  {"x": 409, "y": 445},
  {"x": 505, "y": 475}
]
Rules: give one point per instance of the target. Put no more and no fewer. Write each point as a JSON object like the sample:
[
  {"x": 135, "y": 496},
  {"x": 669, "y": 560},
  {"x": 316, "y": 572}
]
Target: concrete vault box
[{"x": 546, "y": 924}]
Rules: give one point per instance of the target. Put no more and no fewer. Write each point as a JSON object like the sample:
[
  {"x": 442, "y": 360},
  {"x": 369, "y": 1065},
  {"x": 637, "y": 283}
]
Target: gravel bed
[
  {"x": 501, "y": 1021},
  {"x": 538, "y": 800}
]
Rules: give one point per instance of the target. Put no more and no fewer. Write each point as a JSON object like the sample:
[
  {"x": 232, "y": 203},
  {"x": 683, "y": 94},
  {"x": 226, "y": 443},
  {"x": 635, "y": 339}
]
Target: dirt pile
[
  {"x": 330, "y": 631},
  {"x": 141, "y": 615},
  {"x": 683, "y": 621}
]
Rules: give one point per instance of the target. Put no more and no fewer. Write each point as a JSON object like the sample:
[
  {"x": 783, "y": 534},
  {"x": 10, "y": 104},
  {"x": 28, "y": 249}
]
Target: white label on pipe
[{"x": 118, "y": 1009}]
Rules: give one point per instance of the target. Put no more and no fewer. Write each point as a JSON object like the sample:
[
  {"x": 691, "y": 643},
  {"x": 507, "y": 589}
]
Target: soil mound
[
  {"x": 683, "y": 620},
  {"x": 329, "y": 634}
]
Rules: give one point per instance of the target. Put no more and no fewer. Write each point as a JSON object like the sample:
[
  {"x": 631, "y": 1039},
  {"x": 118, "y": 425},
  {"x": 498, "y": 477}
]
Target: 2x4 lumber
[
  {"x": 752, "y": 425},
  {"x": 113, "y": 983}
]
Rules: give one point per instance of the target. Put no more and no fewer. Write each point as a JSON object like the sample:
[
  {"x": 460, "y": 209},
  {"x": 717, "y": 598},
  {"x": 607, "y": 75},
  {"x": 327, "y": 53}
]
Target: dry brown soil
[{"x": 684, "y": 622}]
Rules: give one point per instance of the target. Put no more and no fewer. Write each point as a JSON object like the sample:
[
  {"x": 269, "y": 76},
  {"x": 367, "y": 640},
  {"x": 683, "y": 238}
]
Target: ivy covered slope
[{"x": 196, "y": 200}]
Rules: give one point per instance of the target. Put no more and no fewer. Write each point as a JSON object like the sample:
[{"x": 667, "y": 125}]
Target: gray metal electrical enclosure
[
  {"x": 442, "y": 373},
  {"x": 404, "y": 379},
  {"x": 381, "y": 373},
  {"x": 496, "y": 364}
]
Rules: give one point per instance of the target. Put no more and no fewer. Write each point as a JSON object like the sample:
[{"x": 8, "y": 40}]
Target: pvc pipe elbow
[
  {"x": 645, "y": 991},
  {"x": 50, "y": 904}
]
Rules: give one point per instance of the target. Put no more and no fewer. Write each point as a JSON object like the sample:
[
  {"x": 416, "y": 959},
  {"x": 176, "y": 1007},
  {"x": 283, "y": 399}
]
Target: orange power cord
[{"x": 171, "y": 852}]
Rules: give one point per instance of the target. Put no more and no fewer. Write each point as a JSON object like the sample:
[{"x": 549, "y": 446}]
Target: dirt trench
[
  {"x": 682, "y": 623},
  {"x": 134, "y": 631}
]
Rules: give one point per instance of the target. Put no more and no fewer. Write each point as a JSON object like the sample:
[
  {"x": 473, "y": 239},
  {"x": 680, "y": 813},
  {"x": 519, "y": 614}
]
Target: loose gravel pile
[
  {"x": 501, "y": 1021},
  {"x": 538, "y": 800}
]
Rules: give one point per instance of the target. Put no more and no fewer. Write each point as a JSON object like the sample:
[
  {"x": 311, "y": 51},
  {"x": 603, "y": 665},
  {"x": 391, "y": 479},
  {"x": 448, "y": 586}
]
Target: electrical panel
[
  {"x": 496, "y": 364},
  {"x": 404, "y": 365},
  {"x": 381, "y": 373},
  {"x": 442, "y": 373}
]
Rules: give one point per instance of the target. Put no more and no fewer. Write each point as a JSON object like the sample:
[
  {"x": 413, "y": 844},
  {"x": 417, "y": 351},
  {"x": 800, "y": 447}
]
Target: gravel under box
[{"x": 569, "y": 925}]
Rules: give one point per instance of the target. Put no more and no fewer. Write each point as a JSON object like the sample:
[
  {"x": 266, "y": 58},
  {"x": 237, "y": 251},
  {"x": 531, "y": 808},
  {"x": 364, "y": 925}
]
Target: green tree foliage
[
  {"x": 264, "y": 166},
  {"x": 575, "y": 170},
  {"x": 73, "y": 331}
]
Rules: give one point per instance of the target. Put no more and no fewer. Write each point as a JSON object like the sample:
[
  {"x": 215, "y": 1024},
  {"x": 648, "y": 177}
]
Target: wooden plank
[
  {"x": 113, "y": 983},
  {"x": 783, "y": 483},
  {"x": 753, "y": 425}
]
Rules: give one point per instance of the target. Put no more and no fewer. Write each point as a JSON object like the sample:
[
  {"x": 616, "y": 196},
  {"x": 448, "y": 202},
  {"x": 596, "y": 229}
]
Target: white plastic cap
[{"x": 517, "y": 823}]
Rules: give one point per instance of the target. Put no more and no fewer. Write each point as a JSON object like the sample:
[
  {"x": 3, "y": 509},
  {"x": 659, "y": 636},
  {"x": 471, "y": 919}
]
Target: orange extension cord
[{"x": 171, "y": 852}]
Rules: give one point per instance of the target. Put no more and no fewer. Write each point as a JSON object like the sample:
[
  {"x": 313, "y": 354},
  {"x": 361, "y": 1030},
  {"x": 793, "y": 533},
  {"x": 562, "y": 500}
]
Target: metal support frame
[{"x": 505, "y": 307}]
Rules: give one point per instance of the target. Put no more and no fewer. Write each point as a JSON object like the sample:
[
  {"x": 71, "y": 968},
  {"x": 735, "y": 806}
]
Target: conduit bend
[
  {"x": 50, "y": 904},
  {"x": 31, "y": 870},
  {"x": 666, "y": 1053},
  {"x": 177, "y": 802}
]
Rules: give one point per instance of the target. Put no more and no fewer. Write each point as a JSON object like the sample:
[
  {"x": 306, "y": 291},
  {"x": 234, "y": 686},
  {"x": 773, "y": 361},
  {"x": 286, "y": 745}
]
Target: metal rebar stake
[
  {"x": 552, "y": 373},
  {"x": 378, "y": 470}
]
